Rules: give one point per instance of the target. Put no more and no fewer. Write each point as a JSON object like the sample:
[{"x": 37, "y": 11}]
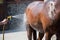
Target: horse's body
[
  {"x": 34, "y": 19},
  {"x": 40, "y": 17}
]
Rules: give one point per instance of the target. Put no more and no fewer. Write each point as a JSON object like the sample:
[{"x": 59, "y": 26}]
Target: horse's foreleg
[
  {"x": 40, "y": 36},
  {"x": 29, "y": 32}
]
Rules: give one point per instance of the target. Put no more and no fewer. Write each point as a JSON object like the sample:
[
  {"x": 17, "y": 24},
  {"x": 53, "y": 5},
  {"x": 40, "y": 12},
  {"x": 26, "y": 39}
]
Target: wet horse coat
[{"x": 40, "y": 17}]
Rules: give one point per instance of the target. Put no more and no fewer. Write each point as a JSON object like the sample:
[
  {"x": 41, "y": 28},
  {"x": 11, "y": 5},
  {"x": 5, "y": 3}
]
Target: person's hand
[{"x": 5, "y": 21}]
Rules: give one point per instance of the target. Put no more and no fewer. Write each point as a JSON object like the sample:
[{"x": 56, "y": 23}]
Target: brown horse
[
  {"x": 30, "y": 30},
  {"x": 40, "y": 17}
]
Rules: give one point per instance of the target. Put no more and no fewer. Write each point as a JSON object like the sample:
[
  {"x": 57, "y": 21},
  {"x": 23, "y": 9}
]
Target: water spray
[{"x": 15, "y": 16}]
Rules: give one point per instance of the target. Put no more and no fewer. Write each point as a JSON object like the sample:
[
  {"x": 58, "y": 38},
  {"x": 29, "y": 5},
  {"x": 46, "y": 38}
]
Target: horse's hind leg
[
  {"x": 48, "y": 36},
  {"x": 40, "y": 36},
  {"x": 29, "y": 32},
  {"x": 34, "y": 35},
  {"x": 58, "y": 36}
]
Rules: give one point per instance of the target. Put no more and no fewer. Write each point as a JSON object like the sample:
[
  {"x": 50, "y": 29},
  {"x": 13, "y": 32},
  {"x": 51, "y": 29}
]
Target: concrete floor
[
  {"x": 18, "y": 33},
  {"x": 18, "y": 36},
  {"x": 14, "y": 36}
]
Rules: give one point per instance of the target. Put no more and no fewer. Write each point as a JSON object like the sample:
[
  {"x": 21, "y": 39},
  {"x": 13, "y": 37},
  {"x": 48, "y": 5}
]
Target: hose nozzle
[{"x": 9, "y": 17}]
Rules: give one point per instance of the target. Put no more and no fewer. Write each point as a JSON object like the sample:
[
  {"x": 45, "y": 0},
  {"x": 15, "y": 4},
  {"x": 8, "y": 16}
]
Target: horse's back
[{"x": 35, "y": 7}]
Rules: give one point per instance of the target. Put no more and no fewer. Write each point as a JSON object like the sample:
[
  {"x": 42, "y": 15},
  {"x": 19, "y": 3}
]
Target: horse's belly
[{"x": 37, "y": 27}]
